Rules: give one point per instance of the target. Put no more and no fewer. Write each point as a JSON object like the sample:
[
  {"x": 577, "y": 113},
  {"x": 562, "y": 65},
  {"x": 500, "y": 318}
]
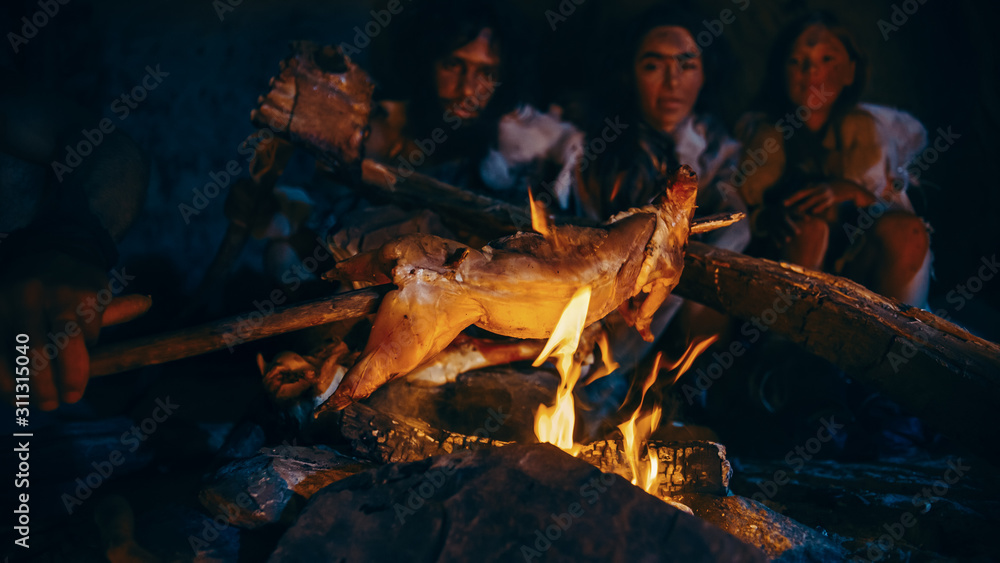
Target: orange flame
[
  {"x": 554, "y": 425},
  {"x": 539, "y": 217},
  {"x": 690, "y": 355},
  {"x": 610, "y": 365},
  {"x": 637, "y": 430}
]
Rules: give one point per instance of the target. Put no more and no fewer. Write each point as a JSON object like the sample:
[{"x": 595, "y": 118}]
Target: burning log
[
  {"x": 388, "y": 438},
  {"x": 778, "y": 536},
  {"x": 691, "y": 467}
]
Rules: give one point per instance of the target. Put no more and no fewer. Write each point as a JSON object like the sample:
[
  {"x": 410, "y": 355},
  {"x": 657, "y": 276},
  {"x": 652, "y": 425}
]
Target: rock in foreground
[{"x": 516, "y": 503}]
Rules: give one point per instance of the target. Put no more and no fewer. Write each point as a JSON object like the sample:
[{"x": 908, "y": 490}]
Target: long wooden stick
[
  {"x": 227, "y": 333},
  {"x": 486, "y": 217}
]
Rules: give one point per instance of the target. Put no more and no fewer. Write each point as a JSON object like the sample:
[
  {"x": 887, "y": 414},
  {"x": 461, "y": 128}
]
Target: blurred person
[
  {"x": 826, "y": 176},
  {"x": 452, "y": 110},
  {"x": 663, "y": 86},
  {"x": 826, "y": 179},
  {"x": 63, "y": 218}
]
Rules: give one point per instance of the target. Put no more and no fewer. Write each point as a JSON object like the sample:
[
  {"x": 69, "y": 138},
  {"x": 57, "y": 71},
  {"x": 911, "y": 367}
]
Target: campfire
[{"x": 478, "y": 359}]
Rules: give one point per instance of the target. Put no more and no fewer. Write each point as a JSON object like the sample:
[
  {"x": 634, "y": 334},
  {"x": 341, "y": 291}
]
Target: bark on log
[
  {"x": 385, "y": 438},
  {"x": 692, "y": 467},
  {"x": 933, "y": 368}
]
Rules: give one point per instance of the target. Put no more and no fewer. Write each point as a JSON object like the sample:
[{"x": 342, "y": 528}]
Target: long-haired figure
[{"x": 818, "y": 162}]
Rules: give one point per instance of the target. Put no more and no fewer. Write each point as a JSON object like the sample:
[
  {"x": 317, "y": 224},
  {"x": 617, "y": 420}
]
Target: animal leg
[{"x": 413, "y": 324}]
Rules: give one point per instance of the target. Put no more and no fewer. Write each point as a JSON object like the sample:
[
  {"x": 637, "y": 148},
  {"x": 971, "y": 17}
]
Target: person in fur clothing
[{"x": 826, "y": 177}]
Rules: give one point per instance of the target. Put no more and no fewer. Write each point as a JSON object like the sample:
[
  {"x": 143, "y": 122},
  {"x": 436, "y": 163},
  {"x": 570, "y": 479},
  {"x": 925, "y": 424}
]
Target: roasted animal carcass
[{"x": 516, "y": 286}]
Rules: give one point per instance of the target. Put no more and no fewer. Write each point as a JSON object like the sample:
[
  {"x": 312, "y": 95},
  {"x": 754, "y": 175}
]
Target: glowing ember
[{"x": 554, "y": 425}]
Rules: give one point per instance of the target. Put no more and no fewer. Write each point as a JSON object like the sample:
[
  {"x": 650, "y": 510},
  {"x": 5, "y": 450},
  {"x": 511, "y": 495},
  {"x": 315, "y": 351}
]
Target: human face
[
  {"x": 668, "y": 75},
  {"x": 818, "y": 62},
  {"x": 465, "y": 78}
]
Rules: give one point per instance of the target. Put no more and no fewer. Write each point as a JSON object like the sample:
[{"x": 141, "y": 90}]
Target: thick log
[
  {"x": 158, "y": 349},
  {"x": 933, "y": 368}
]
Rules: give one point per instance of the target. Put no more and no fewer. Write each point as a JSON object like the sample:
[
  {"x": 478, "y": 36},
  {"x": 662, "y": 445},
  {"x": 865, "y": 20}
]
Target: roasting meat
[{"x": 517, "y": 286}]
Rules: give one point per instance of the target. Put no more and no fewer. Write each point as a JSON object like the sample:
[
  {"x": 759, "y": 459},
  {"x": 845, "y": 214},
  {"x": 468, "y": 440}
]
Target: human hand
[
  {"x": 53, "y": 299},
  {"x": 818, "y": 198}
]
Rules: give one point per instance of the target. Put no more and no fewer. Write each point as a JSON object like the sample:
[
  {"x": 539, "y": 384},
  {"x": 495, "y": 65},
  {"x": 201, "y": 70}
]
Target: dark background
[{"x": 941, "y": 66}]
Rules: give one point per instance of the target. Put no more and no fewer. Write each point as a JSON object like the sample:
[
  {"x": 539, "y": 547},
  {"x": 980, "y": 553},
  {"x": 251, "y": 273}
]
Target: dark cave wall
[{"x": 940, "y": 65}]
